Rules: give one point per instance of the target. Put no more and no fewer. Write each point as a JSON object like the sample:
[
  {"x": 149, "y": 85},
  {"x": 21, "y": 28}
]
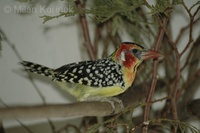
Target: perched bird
[{"x": 101, "y": 78}]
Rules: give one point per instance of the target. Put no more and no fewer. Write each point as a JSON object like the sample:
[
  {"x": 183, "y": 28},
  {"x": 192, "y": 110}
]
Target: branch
[
  {"x": 190, "y": 29},
  {"x": 192, "y": 82},
  {"x": 154, "y": 81},
  {"x": 62, "y": 110},
  {"x": 129, "y": 98},
  {"x": 85, "y": 29},
  {"x": 178, "y": 75},
  {"x": 182, "y": 30},
  {"x": 98, "y": 32},
  {"x": 10, "y": 44}
]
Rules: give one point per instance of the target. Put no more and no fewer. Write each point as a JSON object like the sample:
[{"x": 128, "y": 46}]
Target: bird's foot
[{"x": 111, "y": 101}]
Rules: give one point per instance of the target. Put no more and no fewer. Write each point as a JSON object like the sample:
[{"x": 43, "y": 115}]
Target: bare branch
[
  {"x": 155, "y": 67},
  {"x": 63, "y": 110},
  {"x": 191, "y": 29},
  {"x": 85, "y": 29},
  {"x": 178, "y": 75}
]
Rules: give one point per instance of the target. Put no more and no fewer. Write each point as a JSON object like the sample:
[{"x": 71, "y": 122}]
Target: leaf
[
  {"x": 72, "y": 10},
  {"x": 106, "y": 9},
  {"x": 117, "y": 24}
]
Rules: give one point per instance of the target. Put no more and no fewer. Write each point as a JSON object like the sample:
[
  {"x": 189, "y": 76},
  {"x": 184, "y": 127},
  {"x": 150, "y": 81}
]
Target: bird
[{"x": 101, "y": 78}]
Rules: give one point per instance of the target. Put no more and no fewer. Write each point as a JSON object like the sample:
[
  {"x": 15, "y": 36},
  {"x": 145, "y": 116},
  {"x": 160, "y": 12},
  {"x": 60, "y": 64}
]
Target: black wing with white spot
[
  {"x": 38, "y": 69},
  {"x": 99, "y": 73}
]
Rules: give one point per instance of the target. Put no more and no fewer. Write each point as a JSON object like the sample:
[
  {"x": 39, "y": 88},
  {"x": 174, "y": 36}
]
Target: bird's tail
[{"x": 38, "y": 69}]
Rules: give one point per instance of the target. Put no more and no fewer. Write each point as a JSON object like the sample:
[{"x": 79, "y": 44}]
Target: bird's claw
[{"x": 112, "y": 103}]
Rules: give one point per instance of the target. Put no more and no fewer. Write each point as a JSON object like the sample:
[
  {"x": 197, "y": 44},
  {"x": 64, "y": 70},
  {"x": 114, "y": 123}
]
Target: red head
[{"x": 130, "y": 54}]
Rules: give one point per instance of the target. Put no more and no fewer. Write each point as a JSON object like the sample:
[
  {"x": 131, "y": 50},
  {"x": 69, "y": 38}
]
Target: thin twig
[
  {"x": 85, "y": 29},
  {"x": 12, "y": 46},
  {"x": 191, "y": 79},
  {"x": 53, "y": 128},
  {"x": 154, "y": 78},
  {"x": 182, "y": 30},
  {"x": 186, "y": 8},
  {"x": 190, "y": 30},
  {"x": 187, "y": 59},
  {"x": 97, "y": 38},
  {"x": 24, "y": 126},
  {"x": 178, "y": 75}
]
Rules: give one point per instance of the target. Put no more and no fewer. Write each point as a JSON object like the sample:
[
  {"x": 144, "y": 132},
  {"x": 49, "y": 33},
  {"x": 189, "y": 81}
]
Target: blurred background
[{"x": 55, "y": 43}]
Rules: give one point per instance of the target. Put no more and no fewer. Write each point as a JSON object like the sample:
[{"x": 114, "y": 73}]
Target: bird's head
[{"x": 131, "y": 54}]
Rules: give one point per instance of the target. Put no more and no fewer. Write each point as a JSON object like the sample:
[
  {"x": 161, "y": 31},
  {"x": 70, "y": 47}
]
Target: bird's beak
[{"x": 150, "y": 54}]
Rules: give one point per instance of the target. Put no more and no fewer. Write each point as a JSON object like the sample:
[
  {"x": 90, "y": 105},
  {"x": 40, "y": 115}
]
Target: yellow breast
[{"x": 82, "y": 92}]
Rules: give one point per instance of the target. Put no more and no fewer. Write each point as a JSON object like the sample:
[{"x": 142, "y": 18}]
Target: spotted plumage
[
  {"x": 100, "y": 78},
  {"x": 91, "y": 73}
]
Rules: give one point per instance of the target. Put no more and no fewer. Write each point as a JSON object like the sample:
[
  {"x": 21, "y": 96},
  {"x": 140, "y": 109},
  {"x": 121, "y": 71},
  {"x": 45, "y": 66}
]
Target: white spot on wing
[
  {"x": 96, "y": 71},
  {"x": 88, "y": 70},
  {"x": 80, "y": 71},
  {"x": 101, "y": 75},
  {"x": 74, "y": 70},
  {"x": 91, "y": 75},
  {"x": 71, "y": 80},
  {"x": 80, "y": 81}
]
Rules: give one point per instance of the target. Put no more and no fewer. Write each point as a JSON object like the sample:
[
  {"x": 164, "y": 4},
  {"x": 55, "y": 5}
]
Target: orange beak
[{"x": 151, "y": 54}]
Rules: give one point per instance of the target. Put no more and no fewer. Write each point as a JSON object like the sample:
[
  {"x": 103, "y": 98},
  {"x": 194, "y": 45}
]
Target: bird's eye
[{"x": 134, "y": 51}]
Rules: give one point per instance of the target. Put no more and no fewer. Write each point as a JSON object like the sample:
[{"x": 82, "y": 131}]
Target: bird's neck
[
  {"x": 128, "y": 76},
  {"x": 129, "y": 68}
]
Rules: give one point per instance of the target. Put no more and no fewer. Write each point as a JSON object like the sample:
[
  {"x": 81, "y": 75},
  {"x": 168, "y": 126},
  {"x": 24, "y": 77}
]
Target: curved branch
[{"x": 59, "y": 110}]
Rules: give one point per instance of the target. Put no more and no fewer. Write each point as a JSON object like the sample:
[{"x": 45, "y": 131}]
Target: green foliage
[
  {"x": 106, "y": 9},
  {"x": 47, "y": 18},
  {"x": 72, "y": 10},
  {"x": 110, "y": 125},
  {"x": 115, "y": 25},
  {"x": 182, "y": 126},
  {"x": 160, "y": 6},
  {"x": 124, "y": 15}
]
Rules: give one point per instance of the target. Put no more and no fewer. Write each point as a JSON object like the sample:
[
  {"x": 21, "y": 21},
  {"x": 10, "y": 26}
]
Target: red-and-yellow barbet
[{"x": 98, "y": 79}]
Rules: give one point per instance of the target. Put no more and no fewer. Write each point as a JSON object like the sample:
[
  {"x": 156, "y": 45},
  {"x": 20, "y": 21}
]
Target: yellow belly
[{"x": 82, "y": 92}]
